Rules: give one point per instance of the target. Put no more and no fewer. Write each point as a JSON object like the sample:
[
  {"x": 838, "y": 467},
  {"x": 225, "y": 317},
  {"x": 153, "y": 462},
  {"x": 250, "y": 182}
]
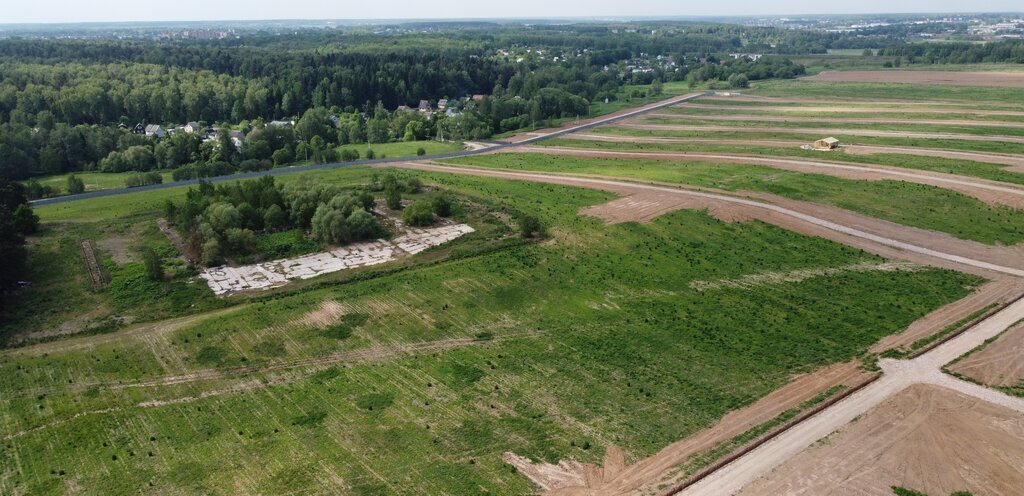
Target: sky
[{"x": 34, "y": 11}]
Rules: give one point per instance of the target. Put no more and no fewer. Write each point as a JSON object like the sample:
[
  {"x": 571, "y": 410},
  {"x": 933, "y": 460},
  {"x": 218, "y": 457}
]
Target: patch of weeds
[
  {"x": 326, "y": 375},
  {"x": 315, "y": 417},
  {"x": 211, "y": 355},
  {"x": 375, "y": 401},
  {"x": 344, "y": 328},
  {"x": 269, "y": 348}
]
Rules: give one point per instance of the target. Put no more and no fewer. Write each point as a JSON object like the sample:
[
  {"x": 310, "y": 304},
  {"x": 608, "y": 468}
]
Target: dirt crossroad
[{"x": 897, "y": 376}]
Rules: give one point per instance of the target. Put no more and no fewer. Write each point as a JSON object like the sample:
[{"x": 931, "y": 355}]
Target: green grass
[
  {"x": 995, "y": 172},
  {"x": 910, "y": 204},
  {"x": 596, "y": 328},
  {"x": 754, "y": 133},
  {"x": 403, "y": 148},
  {"x": 1006, "y": 98},
  {"x": 94, "y": 181}
]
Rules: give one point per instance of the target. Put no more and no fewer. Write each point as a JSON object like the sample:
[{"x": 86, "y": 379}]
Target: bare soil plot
[
  {"x": 841, "y": 101},
  {"x": 647, "y": 206},
  {"x": 1000, "y": 363},
  {"x": 999, "y": 79},
  {"x": 926, "y": 437},
  {"x": 991, "y": 192}
]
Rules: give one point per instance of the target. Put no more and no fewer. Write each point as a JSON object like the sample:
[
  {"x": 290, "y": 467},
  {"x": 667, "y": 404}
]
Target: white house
[{"x": 192, "y": 127}]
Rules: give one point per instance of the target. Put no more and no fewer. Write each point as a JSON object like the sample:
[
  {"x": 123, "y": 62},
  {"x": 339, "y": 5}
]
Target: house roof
[
  {"x": 152, "y": 128},
  {"x": 193, "y": 125},
  {"x": 830, "y": 140}
]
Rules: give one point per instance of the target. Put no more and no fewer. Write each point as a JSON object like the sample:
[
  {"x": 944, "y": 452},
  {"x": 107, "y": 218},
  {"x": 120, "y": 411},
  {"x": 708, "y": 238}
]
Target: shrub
[
  {"x": 153, "y": 263},
  {"x": 363, "y": 225},
  {"x": 211, "y": 252},
  {"x": 419, "y": 214},
  {"x": 274, "y": 217},
  {"x": 211, "y": 355},
  {"x": 442, "y": 205},
  {"x": 393, "y": 197},
  {"x": 370, "y": 155},
  {"x": 330, "y": 225},
  {"x": 75, "y": 185},
  {"x": 420, "y": 152},
  {"x": 530, "y": 226}
]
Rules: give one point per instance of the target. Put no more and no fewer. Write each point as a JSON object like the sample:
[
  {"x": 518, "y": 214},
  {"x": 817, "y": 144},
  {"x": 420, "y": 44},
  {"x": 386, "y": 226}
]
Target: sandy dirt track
[
  {"x": 991, "y": 192},
  {"x": 847, "y": 101},
  {"x": 1013, "y": 162},
  {"x": 884, "y": 238},
  {"x": 825, "y": 131},
  {"x": 841, "y": 108},
  {"x": 999, "y": 79},
  {"x": 837, "y": 119},
  {"x": 897, "y": 376},
  {"x": 1000, "y": 363},
  {"x": 925, "y": 437}
]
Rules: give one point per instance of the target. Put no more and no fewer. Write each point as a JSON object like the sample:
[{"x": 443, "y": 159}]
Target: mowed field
[{"x": 551, "y": 351}]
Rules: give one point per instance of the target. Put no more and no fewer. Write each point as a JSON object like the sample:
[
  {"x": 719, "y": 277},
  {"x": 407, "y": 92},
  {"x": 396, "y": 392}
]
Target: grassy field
[
  {"x": 551, "y": 350},
  {"x": 1006, "y": 98},
  {"x": 915, "y": 205},
  {"x": 753, "y": 133},
  {"x": 94, "y": 181},
  {"x": 403, "y": 148},
  {"x": 995, "y": 172}
]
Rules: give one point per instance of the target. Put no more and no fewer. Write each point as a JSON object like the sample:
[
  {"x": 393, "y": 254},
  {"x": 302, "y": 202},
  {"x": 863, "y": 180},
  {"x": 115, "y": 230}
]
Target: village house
[
  {"x": 425, "y": 106},
  {"x": 442, "y": 104},
  {"x": 192, "y": 127},
  {"x": 155, "y": 130},
  {"x": 281, "y": 123},
  {"x": 139, "y": 128}
]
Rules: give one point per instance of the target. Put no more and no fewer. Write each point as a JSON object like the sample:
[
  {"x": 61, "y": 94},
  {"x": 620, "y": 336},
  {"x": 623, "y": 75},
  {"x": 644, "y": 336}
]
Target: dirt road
[
  {"x": 1014, "y": 162},
  {"x": 844, "y": 108},
  {"x": 837, "y": 119},
  {"x": 897, "y": 376},
  {"x": 825, "y": 131},
  {"x": 992, "y": 192},
  {"x": 1007, "y": 79}
]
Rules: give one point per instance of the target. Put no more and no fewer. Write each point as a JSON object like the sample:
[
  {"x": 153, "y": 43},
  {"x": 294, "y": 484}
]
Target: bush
[
  {"x": 75, "y": 185},
  {"x": 274, "y": 217},
  {"x": 330, "y": 225},
  {"x": 393, "y": 198},
  {"x": 419, "y": 214},
  {"x": 420, "y": 152},
  {"x": 530, "y": 226},
  {"x": 211, "y": 252},
  {"x": 375, "y": 401},
  {"x": 363, "y": 225},
  {"x": 442, "y": 205},
  {"x": 370, "y": 155},
  {"x": 153, "y": 263}
]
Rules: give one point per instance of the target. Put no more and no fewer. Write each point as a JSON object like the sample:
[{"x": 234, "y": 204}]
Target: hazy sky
[{"x": 177, "y": 10}]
